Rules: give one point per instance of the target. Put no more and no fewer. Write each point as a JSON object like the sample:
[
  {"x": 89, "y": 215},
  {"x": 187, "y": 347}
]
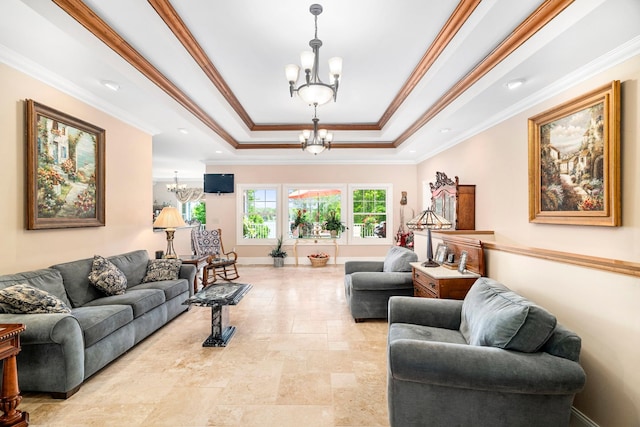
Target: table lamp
[
  {"x": 169, "y": 219},
  {"x": 431, "y": 221}
]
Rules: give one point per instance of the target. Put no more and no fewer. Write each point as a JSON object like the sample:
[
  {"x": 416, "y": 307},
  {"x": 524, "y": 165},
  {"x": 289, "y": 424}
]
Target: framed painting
[
  {"x": 65, "y": 170},
  {"x": 574, "y": 161}
]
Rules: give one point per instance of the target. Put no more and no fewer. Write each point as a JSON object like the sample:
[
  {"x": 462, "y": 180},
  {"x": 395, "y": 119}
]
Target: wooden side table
[
  {"x": 441, "y": 282},
  {"x": 199, "y": 262},
  {"x": 10, "y": 393}
]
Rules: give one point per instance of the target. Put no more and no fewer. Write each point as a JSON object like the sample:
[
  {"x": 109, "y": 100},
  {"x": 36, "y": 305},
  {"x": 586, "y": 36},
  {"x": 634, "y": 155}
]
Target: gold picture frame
[
  {"x": 65, "y": 170},
  {"x": 574, "y": 161}
]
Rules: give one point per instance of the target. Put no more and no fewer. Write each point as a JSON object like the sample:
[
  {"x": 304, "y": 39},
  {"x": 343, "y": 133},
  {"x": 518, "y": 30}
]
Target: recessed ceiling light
[
  {"x": 513, "y": 84},
  {"x": 218, "y": 152},
  {"x": 110, "y": 84},
  {"x": 183, "y": 130},
  {"x": 445, "y": 130}
]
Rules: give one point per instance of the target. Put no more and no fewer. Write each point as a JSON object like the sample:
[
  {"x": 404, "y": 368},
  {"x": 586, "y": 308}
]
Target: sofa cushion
[
  {"x": 23, "y": 298},
  {"x": 47, "y": 279},
  {"x": 162, "y": 269},
  {"x": 107, "y": 277},
  {"x": 140, "y": 300},
  {"x": 399, "y": 259},
  {"x": 493, "y": 315},
  {"x": 100, "y": 321},
  {"x": 132, "y": 264},
  {"x": 407, "y": 331},
  {"x": 75, "y": 275},
  {"x": 171, "y": 288}
]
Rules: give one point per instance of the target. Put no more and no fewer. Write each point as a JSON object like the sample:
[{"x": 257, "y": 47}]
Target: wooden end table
[
  {"x": 199, "y": 261},
  {"x": 10, "y": 393}
]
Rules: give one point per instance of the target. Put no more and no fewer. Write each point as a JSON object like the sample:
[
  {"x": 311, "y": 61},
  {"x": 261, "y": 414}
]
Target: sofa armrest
[
  {"x": 483, "y": 368},
  {"x": 354, "y": 266},
  {"x": 46, "y": 328},
  {"x": 439, "y": 313},
  {"x": 188, "y": 271}
]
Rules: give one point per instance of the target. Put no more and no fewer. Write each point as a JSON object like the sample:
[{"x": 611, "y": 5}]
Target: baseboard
[{"x": 578, "y": 419}]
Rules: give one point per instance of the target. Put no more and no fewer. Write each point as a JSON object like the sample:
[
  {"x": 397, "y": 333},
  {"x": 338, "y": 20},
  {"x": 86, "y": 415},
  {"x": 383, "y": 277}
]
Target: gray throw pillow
[
  {"x": 399, "y": 259},
  {"x": 495, "y": 316},
  {"x": 25, "y": 299},
  {"x": 106, "y": 277},
  {"x": 162, "y": 269}
]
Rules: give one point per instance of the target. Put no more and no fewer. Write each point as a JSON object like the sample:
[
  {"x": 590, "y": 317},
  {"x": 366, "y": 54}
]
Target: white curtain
[{"x": 190, "y": 195}]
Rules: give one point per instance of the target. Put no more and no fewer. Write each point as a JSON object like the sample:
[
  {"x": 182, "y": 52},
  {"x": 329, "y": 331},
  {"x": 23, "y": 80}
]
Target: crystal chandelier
[
  {"x": 316, "y": 140},
  {"x": 313, "y": 91},
  {"x": 175, "y": 186}
]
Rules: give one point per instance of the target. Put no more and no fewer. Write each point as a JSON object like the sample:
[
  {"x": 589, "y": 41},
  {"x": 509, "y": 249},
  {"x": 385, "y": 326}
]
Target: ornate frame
[
  {"x": 65, "y": 170},
  {"x": 574, "y": 161}
]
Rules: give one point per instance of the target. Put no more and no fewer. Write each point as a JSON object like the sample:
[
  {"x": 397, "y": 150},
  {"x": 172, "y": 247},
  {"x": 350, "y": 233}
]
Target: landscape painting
[
  {"x": 574, "y": 161},
  {"x": 65, "y": 170}
]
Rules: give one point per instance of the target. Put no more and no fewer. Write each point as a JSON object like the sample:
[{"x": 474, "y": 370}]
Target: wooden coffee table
[{"x": 219, "y": 298}]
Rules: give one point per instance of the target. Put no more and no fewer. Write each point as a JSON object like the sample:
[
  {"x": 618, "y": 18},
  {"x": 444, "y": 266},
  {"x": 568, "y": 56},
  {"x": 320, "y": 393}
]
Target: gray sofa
[
  {"x": 61, "y": 350},
  {"x": 494, "y": 359},
  {"x": 369, "y": 284}
]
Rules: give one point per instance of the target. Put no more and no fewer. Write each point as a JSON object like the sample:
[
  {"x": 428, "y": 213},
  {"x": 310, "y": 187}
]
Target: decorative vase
[
  {"x": 300, "y": 231},
  {"x": 278, "y": 262},
  {"x": 333, "y": 233}
]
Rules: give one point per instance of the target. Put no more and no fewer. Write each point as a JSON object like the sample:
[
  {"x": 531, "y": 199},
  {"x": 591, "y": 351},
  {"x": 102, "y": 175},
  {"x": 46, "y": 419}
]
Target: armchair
[
  {"x": 219, "y": 263},
  {"x": 369, "y": 284},
  {"x": 494, "y": 359}
]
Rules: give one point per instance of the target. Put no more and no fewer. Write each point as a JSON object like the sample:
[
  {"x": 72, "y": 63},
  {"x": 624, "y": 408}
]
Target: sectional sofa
[{"x": 83, "y": 327}]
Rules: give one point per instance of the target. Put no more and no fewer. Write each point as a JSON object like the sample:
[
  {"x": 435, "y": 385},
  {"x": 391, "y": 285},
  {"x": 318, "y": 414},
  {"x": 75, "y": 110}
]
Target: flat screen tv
[{"x": 218, "y": 183}]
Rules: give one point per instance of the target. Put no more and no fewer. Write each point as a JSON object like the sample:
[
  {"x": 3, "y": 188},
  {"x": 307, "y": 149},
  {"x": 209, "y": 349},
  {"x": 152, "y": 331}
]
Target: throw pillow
[
  {"x": 399, "y": 259},
  {"x": 25, "y": 299},
  {"x": 162, "y": 269},
  {"x": 107, "y": 277},
  {"x": 495, "y": 316}
]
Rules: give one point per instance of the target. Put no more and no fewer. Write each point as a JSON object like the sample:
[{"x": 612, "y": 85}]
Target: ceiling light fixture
[
  {"x": 514, "y": 84},
  {"x": 175, "y": 187},
  {"x": 110, "y": 84},
  {"x": 317, "y": 141},
  {"x": 183, "y": 131},
  {"x": 314, "y": 91}
]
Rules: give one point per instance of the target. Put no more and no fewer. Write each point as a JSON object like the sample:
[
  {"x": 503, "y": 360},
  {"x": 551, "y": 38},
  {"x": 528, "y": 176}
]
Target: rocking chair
[{"x": 220, "y": 264}]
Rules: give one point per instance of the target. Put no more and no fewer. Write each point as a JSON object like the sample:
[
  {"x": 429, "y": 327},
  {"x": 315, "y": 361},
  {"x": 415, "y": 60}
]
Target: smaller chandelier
[
  {"x": 175, "y": 187},
  {"x": 317, "y": 140},
  {"x": 313, "y": 91}
]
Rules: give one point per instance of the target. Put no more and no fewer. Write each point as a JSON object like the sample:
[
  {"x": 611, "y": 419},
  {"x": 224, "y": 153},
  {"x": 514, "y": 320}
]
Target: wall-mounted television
[{"x": 218, "y": 183}]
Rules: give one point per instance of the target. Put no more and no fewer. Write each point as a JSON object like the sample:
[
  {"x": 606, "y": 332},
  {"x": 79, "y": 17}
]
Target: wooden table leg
[{"x": 10, "y": 396}]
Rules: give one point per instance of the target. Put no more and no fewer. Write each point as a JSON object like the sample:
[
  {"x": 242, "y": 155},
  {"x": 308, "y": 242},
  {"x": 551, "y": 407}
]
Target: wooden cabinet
[
  {"x": 455, "y": 202},
  {"x": 441, "y": 282}
]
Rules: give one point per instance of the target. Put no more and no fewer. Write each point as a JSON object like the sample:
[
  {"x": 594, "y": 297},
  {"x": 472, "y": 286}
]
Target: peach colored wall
[
  {"x": 128, "y": 160},
  {"x": 601, "y": 307},
  {"x": 221, "y": 210}
]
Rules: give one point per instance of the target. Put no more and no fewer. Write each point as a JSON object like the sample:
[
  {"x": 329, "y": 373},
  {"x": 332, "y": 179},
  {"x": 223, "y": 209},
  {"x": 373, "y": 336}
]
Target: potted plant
[
  {"x": 333, "y": 224},
  {"x": 278, "y": 254}
]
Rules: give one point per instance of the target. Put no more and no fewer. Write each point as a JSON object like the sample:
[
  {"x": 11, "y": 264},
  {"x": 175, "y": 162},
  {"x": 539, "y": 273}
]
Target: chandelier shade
[
  {"x": 314, "y": 91},
  {"x": 175, "y": 187}
]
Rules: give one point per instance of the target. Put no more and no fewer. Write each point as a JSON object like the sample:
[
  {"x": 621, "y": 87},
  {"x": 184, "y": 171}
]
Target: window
[
  {"x": 370, "y": 214},
  {"x": 309, "y": 207},
  {"x": 259, "y": 212}
]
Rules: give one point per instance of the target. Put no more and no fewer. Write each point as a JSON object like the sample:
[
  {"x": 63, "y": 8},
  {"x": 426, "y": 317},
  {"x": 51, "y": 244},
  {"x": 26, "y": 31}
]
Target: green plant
[
  {"x": 200, "y": 212},
  {"x": 277, "y": 252},
  {"x": 333, "y": 223}
]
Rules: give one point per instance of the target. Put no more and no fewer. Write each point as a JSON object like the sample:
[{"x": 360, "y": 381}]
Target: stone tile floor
[{"x": 297, "y": 359}]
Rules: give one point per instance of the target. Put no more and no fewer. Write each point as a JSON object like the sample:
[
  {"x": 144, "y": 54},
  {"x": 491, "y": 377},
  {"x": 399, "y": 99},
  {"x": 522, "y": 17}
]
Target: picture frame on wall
[
  {"x": 574, "y": 161},
  {"x": 65, "y": 166}
]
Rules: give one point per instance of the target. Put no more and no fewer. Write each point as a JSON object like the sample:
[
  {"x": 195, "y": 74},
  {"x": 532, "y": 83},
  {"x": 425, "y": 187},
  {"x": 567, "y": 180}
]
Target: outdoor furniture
[{"x": 220, "y": 264}]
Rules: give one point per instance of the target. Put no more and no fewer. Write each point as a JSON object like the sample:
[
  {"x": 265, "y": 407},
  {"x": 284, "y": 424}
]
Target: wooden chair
[{"x": 220, "y": 264}]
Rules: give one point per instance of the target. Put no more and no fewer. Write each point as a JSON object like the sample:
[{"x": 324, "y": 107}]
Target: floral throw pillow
[
  {"x": 162, "y": 269},
  {"x": 107, "y": 277},
  {"x": 25, "y": 299}
]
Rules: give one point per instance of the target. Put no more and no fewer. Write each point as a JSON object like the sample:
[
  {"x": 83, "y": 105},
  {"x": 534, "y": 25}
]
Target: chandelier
[
  {"x": 175, "y": 187},
  {"x": 313, "y": 91},
  {"x": 317, "y": 140}
]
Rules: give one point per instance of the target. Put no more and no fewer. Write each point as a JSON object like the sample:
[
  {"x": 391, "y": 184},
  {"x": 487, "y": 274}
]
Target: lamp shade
[
  {"x": 429, "y": 219},
  {"x": 169, "y": 218}
]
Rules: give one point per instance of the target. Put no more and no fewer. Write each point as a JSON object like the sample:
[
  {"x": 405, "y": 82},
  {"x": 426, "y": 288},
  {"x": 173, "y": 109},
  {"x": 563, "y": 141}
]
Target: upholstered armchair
[
  {"x": 494, "y": 359},
  {"x": 219, "y": 263},
  {"x": 369, "y": 284}
]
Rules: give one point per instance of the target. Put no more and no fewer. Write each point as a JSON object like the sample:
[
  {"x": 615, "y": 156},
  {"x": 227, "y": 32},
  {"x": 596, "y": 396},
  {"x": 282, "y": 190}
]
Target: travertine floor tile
[{"x": 297, "y": 358}]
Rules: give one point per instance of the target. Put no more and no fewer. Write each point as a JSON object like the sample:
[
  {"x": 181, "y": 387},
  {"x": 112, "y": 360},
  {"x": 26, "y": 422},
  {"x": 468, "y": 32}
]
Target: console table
[
  {"x": 441, "y": 282},
  {"x": 10, "y": 394},
  {"x": 326, "y": 241}
]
